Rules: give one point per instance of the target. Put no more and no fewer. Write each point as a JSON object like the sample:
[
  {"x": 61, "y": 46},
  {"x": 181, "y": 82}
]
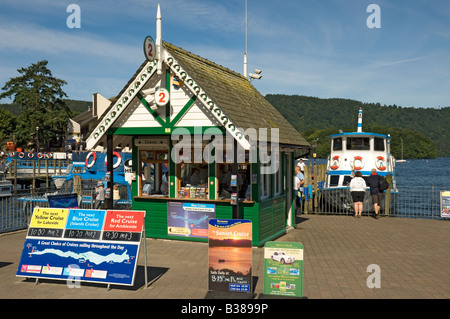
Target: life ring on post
[
  {"x": 335, "y": 162},
  {"x": 30, "y": 155},
  {"x": 119, "y": 160},
  {"x": 380, "y": 163},
  {"x": 21, "y": 154},
  {"x": 94, "y": 158},
  {"x": 361, "y": 163}
]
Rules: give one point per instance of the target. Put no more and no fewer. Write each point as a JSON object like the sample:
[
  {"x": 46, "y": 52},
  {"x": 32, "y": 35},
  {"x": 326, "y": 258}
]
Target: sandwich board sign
[
  {"x": 283, "y": 269},
  {"x": 81, "y": 244}
]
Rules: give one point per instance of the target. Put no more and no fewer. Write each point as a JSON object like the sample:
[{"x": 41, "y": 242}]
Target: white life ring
[
  {"x": 335, "y": 163},
  {"x": 49, "y": 155},
  {"x": 21, "y": 154},
  {"x": 380, "y": 163},
  {"x": 39, "y": 155},
  {"x": 94, "y": 155},
  {"x": 30, "y": 155},
  {"x": 119, "y": 160},
  {"x": 358, "y": 163}
]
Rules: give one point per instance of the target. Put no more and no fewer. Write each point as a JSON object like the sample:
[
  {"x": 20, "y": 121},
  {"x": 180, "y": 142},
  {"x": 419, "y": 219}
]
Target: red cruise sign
[{"x": 123, "y": 220}]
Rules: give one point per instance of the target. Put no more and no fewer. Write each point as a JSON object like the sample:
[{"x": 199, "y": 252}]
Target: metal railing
[
  {"x": 16, "y": 210},
  {"x": 409, "y": 202}
]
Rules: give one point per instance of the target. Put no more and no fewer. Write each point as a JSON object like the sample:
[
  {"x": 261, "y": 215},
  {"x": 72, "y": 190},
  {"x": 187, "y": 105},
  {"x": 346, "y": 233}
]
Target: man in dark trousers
[{"x": 377, "y": 195}]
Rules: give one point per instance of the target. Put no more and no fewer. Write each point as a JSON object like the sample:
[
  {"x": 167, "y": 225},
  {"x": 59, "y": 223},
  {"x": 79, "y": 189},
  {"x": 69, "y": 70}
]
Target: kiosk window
[{"x": 153, "y": 172}]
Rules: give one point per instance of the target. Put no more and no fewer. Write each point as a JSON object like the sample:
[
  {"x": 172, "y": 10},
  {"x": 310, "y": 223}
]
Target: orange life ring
[
  {"x": 21, "y": 154},
  {"x": 94, "y": 155},
  {"x": 49, "y": 155},
  {"x": 30, "y": 155},
  {"x": 358, "y": 158},
  {"x": 39, "y": 155},
  {"x": 379, "y": 163},
  {"x": 335, "y": 164}
]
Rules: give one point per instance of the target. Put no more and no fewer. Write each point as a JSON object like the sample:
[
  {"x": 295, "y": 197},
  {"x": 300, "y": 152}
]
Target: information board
[
  {"x": 283, "y": 269},
  {"x": 230, "y": 255},
  {"x": 82, "y": 244},
  {"x": 445, "y": 204}
]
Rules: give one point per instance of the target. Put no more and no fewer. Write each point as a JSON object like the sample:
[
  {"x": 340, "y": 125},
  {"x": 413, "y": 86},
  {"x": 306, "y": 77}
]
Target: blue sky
[{"x": 304, "y": 47}]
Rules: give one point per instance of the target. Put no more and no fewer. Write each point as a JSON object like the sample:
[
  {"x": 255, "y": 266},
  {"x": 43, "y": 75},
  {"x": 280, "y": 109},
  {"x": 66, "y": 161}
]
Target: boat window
[
  {"x": 337, "y": 144},
  {"x": 378, "y": 144},
  {"x": 358, "y": 143}
]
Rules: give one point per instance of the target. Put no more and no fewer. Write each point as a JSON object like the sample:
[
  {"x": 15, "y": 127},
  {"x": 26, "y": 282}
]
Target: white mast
[
  {"x": 158, "y": 40},
  {"x": 360, "y": 120},
  {"x": 245, "y": 54}
]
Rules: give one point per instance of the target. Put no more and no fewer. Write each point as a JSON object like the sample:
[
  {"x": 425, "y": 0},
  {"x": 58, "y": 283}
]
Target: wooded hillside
[{"x": 425, "y": 131}]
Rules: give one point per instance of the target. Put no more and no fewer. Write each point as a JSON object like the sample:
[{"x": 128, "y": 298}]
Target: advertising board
[{"x": 82, "y": 244}]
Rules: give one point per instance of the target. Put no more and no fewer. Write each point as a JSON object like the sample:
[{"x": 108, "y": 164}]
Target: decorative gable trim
[
  {"x": 214, "y": 109},
  {"x": 121, "y": 103}
]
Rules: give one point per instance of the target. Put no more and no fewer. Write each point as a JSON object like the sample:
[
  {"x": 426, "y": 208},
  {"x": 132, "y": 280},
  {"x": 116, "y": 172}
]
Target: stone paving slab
[{"x": 412, "y": 256}]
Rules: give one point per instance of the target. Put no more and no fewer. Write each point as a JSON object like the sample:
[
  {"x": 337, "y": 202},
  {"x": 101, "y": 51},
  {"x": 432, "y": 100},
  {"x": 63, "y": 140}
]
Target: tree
[{"x": 39, "y": 96}]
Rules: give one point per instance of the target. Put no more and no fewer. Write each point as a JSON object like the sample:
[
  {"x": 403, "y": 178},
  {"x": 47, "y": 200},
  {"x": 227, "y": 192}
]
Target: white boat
[
  {"x": 6, "y": 188},
  {"x": 352, "y": 152}
]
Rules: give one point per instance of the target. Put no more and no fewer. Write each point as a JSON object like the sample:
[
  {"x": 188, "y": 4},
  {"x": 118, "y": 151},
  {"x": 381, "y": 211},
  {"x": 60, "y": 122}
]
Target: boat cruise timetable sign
[
  {"x": 149, "y": 48},
  {"x": 82, "y": 244}
]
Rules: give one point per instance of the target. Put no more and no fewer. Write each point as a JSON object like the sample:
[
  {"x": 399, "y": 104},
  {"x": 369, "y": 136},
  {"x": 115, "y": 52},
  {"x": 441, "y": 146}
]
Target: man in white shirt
[{"x": 299, "y": 180}]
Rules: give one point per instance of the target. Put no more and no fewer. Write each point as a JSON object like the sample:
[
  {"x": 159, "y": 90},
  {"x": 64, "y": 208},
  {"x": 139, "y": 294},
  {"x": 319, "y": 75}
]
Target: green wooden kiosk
[{"x": 181, "y": 115}]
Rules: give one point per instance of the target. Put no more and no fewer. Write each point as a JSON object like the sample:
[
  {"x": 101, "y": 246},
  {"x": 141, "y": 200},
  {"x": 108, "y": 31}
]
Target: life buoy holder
[
  {"x": 21, "y": 154},
  {"x": 380, "y": 164},
  {"x": 361, "y": 163},
  {"x": 335, "y": 162},
  {"x": 119, "y": 160},
  {"x": 30, "y": 155},
  {"x": 39, "y": 155},
  {"x": 94, "y": 158}
]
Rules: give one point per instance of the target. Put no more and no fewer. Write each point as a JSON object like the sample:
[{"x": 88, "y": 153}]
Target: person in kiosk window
[{"x": 377, "y": 195}]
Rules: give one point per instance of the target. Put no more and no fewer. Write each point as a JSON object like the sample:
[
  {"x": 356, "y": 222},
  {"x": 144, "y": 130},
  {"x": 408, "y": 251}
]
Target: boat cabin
[{"x": 358, "y": 151}]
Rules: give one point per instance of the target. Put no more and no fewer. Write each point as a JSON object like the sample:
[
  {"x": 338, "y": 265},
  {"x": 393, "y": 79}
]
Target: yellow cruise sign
[{"x": 49, "y": 218}]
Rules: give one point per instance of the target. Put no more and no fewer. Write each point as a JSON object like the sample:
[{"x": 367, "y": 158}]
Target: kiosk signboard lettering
[{"x": 82, "y": 244}]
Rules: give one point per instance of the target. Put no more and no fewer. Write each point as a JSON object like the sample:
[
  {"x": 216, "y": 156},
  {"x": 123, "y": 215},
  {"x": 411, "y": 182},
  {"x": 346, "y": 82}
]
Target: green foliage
[
  {"x": 38, "y": 95},
  {"x": 424, "y": 132}
]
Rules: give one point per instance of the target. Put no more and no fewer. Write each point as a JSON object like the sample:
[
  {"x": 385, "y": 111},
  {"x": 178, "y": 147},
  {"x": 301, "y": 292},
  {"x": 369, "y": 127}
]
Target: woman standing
[{"x": 358, "y": 190}]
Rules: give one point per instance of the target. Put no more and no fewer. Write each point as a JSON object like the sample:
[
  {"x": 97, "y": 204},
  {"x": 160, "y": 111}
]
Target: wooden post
[
  {"x": 34, "y": 175},
  {"x": 387, "y": 196}
]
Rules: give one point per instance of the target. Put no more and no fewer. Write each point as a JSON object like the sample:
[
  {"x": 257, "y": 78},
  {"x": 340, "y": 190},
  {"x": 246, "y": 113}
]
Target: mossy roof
[{"x": 236, "y": 96}]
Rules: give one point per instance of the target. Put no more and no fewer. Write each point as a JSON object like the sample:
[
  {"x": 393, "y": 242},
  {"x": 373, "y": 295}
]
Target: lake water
[{"x": 424, "y": 173}]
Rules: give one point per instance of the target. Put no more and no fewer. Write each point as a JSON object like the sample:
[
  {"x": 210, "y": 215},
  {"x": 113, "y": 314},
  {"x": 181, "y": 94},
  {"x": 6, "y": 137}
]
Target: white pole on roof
[
  {"x": 158, "y": 40},
  {"x": 245, "y": 54}
]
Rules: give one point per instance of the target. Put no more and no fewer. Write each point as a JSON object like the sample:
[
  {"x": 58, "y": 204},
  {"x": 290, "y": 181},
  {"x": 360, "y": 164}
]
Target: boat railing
[{"x": 410, "y": 202}]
